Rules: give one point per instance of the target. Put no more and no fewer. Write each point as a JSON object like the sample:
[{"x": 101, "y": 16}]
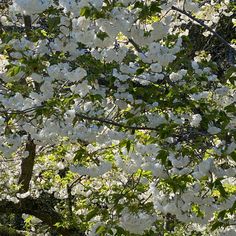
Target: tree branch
[
  {"x": 42, "y": 210},
  {"x": 8, "y": 231},
  {"x": 27, "y": 165},
  {"x": 102, "y": 120},
  {"x": 205, "y": 26},
  {"x": 28, "y": 24},
  {"x": 136, "y": 46},
  {"x": 110, "y": 122}
]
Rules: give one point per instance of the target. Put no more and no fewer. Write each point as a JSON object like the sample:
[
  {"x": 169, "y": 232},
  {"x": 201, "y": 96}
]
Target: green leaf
[
  {"x": 231, "y": 74},
  {"x": 120, "y": 231},
  {"x": 222, "y": 214},
  {"x": 128, "y": 145},
  {"x": 139, "y": 71},
  {"x": 155, "y": 7},
  {"x": 216, "y": 225},
  {"x": 91, "y": 214},
  {"x": 218, "y": 185},
  {"x": 138, "y": 4},
  {"x": 233, "y": 208},
  {"x": 119, "y": 207},
  {"x": 233, "y": 156},
  {"x": 101, "y": 229},
  {"x": 230, "y": 108},
  {"x": 53, "y": 23},
  {"x": 162, "y": 155},
  {"x": 13, "y": 71},
  {"x": 80, "y": 154},
  {"x": 44, "y": 33},
  {"x": 102, "y": 35},
  {"x": 85, "y": 11}
]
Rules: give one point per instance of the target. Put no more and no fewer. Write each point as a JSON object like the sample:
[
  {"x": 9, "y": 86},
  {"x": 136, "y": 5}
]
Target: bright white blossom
[
  {"x": 195, "y": 120},
  {"x": 31, "y": 6},
  {"x": 118, "y": 117},
  {"x": 136, "y": 223},
  {"x": 213, "y": 129}
]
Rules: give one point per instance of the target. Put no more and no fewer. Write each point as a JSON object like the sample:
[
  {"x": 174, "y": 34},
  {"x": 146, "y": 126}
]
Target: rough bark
[
  {"x": 27, "y": 166},
  {"x": 40, "y": 209},
  {"x": 28, "y": 25},
  {"x": 8, "y": 231}
]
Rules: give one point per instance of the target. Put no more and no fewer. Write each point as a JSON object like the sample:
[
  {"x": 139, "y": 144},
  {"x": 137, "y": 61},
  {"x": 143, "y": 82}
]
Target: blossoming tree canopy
[{"x": 117, "y": 117}]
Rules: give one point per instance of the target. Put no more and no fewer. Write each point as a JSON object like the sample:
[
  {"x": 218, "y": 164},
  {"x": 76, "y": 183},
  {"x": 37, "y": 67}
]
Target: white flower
[
  {"x": 198, "y": 96},
  {"x": 60, "y": 165},
  {"x": 191, "y": 6},
  {"x": 2, "y": 120},
  {"x": 23, "y": 195},
  {"x": 30, "y": 7},
  {"x": 166, "y": 59},
  {"x": 156, "y": 67},
  {"x": 156, "y": 120},
  {"x": 222, "y": 91},
  {"x": 136, "y": 223},
  {"x": 170, "y": 208},
  {"x": 188, "y": 196},
  {"x": 231, "y": 232},
  {"x": 14, "y": 199},
  {"x": 212, "y": 129},
  {"x": 76, "y": 75},
  {"x": 205, "y": 166},
  {"x": 97, "y": 3},
  {"x": 234, "y": 21},
  {"x": 231, "y": 148},
  {"x": 195, "y": 120},
  {"x": 159, "y": 30},
  {"x": 177, "y": 76},
  {"x": 80, "y": 23},
  {"x": 203, "y": 169},
  {"x": 36, "y": 77},
  {"x": 94, "y": 170},
  {"x": 180, "y": 162},
  {"x": 82, "y": 89},
  {"x": 195, "y": 65}
]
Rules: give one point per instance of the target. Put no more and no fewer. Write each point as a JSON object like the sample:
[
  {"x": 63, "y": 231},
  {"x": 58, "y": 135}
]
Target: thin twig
[
  {"x": 11, "y": 112},
  {"x": 102, "y": 120},
  {"x": 27, "y": 166},
  {"x": 136, "y": 46},
  {"x": 28, "y": 24},
  {"x": 205, "y": 26}
]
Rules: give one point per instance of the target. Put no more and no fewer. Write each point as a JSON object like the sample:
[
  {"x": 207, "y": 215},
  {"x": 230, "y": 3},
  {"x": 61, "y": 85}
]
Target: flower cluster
[{"x": 118, "y": 117}]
